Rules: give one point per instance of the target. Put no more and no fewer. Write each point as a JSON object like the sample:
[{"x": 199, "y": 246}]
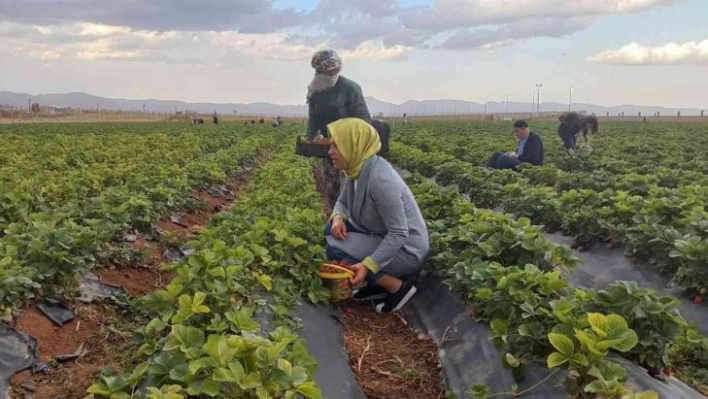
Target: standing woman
[{"x": 331, "y": 97}]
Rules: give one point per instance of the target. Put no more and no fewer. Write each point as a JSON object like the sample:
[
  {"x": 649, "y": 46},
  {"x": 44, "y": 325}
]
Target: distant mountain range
[{"x": 411, "y": 107}]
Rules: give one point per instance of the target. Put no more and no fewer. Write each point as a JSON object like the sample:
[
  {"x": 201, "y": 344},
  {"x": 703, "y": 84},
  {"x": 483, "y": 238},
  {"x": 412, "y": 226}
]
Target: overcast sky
[{"x": 648, "y": 52}]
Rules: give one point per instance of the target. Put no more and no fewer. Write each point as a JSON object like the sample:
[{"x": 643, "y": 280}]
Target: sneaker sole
[
  {"x": 402, "y": 303},
  {"x": 370, "y": 298}
]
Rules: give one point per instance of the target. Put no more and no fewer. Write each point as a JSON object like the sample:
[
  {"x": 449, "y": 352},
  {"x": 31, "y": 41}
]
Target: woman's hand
[
  {"x": 339, "y": 228},
  {"x": 360, "y": 272}
]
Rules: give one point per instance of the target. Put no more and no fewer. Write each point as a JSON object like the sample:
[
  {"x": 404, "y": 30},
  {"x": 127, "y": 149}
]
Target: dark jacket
[
  {"x": 568, "y": 132},
  {"x": 533, "y": 150},
  {"x": 344, "y": 100},
  {"x": 384, "y": 131}
]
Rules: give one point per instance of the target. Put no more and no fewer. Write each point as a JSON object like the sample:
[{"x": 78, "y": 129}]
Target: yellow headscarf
[{"x": 356, "y": 140}]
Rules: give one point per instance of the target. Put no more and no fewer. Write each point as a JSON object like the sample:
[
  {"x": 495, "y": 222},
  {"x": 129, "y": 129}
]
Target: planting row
[
  {"x": 665, "y": 227},
  {"x": 63, "y": 196},
  {"x": 670, "y": 151},
  {"x": 509, "y": 273},
  {"x": 260, "y": 256}
]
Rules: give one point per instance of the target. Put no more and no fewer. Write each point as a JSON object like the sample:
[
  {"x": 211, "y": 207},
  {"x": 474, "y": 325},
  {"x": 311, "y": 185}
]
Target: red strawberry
[{"x": 698, "y": 299}]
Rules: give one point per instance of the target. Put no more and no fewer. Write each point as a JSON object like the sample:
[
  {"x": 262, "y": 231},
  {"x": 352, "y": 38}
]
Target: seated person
[
  {"x": 376, "y": 223},
  {"x": 530, "y": 149}
]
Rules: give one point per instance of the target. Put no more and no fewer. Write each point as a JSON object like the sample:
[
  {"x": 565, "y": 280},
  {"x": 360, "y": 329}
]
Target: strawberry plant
[
  {"x": 64, "y": 195},
  {"x": 628, "y": 193},
  {"x": 204, "y": 337}
]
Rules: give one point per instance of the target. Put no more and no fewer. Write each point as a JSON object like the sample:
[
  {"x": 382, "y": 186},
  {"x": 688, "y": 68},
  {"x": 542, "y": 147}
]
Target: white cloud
[
  {"x": 377, "y": 51},
  {"x": 491, "y": 39},
  {"x": 93, "y": 42},
  {"x": 371, "y": 29},
  {"x": 452, "y": 14},
  {"x": 671, "y": 53}
]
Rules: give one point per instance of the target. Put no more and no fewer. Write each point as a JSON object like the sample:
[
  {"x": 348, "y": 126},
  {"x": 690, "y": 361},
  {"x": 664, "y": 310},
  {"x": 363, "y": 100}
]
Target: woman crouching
[{"x": 376, "y": 224}]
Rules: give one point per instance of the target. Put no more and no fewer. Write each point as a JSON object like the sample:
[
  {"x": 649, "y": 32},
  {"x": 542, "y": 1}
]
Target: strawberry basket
[
  {"x": 318, "y": 148},
  {"x": 336, "y": 278}
]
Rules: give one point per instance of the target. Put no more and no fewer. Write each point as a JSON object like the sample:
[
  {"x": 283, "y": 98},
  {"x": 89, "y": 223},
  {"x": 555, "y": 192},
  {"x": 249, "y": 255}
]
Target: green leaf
[
  {"x": 286, "y": 366},
  {"x": 219, "y": 349},
  {"x": 498, "y": 326},
  {"x": 266, "y": 281},
  {"x": 295, "y": 242},
  {"x": 589, "y": 342},
  {"x": 512, "y": 361},
  {"x": 99, "y": 388},
  {"x": 622, "y": 341},
  {"x": 597, "y": 386},
  {"x": 309, "y": 390},
  {"x": 599, "y": 323},
  {"x": 251, "y": 381},
  {"x": 155, "y": 325},
  {"x": 138, "y": 372},
  {"x": 299, "y": 375},
  {"x": 262, "y": 393},
  {"x": 234, "y": 373},
  {"x": 614, "y": 331},
  {"x": 580, "y": 359},
  {"x": 184, "y": 338},
  {"x": 642, "y": 395},
  {"x": 243, "y": 319},
  {"x": 204, "y": 362},
  {"x": 210, "y": 388},
  {"x": 562, "y": 343},
  {"x": 609, "y": 372},
  {"x": 535, "y": 330},
  {"x": 219, "y": 271},
  {"x": 555, "y": 359}
]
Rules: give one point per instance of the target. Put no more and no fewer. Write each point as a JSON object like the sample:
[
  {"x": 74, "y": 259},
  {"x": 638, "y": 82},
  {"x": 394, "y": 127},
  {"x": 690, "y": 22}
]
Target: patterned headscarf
[
  {"x": 326, "y": 62},
  {"x": 327, "y": 66}
]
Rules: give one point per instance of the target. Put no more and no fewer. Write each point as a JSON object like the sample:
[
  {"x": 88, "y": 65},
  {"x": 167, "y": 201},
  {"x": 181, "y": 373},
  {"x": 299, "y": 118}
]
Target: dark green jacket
[{"x": 344, "y": 100}]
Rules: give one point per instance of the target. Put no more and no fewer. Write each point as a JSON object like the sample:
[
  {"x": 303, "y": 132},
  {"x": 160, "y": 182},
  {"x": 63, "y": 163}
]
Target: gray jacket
[{"x": 384, "y": 206}]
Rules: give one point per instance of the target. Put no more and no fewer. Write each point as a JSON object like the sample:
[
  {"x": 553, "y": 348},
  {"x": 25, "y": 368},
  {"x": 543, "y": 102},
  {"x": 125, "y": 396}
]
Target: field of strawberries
[{"x": 211, "y": 238}]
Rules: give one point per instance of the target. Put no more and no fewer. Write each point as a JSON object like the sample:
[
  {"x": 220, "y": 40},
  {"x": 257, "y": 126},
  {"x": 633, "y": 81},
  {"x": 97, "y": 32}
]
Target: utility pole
[
  {"x": 29, "y": 105},
  {"x": 507, "y": 105},
  {"x": 538, "y": 103},
  {"x": 486, "y": 105},
  {"x": 570, "y": 98}
]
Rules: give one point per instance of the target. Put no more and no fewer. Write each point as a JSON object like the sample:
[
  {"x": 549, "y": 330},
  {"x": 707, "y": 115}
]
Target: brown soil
[
  {"x": 105, "y": 344},
  {"x": 70, "y": 379},
  {"x": 137, "y": 281},
  {"x": 388, "y": 358},
  {"x": 191, "y": 223},
  {"x": 58, "y": 340},
  {"x": 318, "y": 174}
]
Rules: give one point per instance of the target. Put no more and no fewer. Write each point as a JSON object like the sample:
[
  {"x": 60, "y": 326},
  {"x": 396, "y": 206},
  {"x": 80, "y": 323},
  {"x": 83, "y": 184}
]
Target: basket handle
[{"x": 343, "y": 272}]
